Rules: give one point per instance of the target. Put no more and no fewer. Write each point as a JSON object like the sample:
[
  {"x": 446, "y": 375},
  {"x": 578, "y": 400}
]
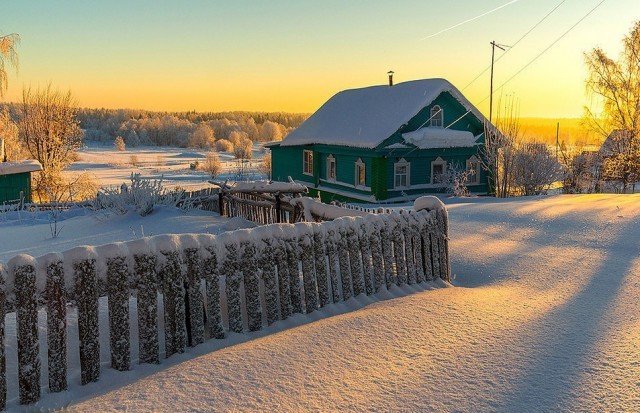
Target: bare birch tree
[{"x": 8, "y": 56}]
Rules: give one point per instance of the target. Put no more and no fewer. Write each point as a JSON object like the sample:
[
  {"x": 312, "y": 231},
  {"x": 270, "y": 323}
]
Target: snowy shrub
[
  {"x": 133, "y": 160},
  {"x": 212, "y": 164},
  {"x": 141, "y": 195}
]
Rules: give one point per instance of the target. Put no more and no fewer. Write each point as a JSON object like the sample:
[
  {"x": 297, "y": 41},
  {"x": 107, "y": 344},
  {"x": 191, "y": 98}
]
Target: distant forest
[{"x": 183, "y": 129}]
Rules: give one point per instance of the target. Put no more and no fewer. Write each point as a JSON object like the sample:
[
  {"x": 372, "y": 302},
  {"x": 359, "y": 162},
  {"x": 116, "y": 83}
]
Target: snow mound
[{"x": 433, "y": 138}]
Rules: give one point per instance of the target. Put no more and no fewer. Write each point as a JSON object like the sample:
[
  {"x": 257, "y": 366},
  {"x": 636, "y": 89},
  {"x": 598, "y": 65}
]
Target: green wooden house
[
  {"x": 385, "y": 143},
  {"x": 15, "y": 180}
]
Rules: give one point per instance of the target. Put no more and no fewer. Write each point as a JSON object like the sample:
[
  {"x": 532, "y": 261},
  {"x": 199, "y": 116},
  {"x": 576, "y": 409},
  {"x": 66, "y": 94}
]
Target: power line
[
  {"x": 471, "y": 19},
  {"x": 515, "y": 44},
  {"x": 525, "y": 66}
]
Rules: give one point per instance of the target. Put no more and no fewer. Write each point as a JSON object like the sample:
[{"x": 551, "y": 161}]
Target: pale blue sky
[{"x": 293, "y": 55}]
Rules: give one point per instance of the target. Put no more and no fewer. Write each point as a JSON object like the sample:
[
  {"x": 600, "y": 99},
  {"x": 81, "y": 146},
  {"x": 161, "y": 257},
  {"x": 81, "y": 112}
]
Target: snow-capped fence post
[
  {"x": 283, "y": 280},
  {"x": 387, "y": 253},
  {"x": 23, "y": 271},
  {"x": 343, "y": 259},
  {"x": 196, "y": 303},
  {"x": 145, "y": 270},
  {"x": 267, "y": 263},
  {"x": 175, "y": 330},
  {"x": 332, "y": 257},
  {"x": 294, "y": 274},
  {"x": 408, "y": 248},
  {"x": 377, "y": 259},
  {"x": 416, "y": 246},
  {"x": 3, "y": 360},
  {"x": 86, "y": 294},
  {"x": 321, "y": 265},
  {"x": 56, "y": 325},
  {"x": 212, "y": 278},
  {"x": 251, "y": 285},
  {"x": 398, "y": 248},
  {"x": 443, "y": 223},
  {"x": 308, "y": 270},
  {"x": 365, "y": 250},
  {"x": 233, "y": 275},
  {"x": 118, "y": 292}
]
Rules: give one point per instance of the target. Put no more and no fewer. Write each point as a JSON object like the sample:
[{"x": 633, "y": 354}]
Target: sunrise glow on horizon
[{"x": 292, "y": 56}]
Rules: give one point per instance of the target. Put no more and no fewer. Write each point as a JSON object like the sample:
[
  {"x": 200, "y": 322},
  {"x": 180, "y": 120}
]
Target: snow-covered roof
[
  {"x": 366, "y": 117},
  {"x": 10, "y": 168},
  {"x": 432, "y": 138}
]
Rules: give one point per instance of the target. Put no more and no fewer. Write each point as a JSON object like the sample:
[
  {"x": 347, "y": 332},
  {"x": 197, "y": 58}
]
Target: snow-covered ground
[
  {"x": 109, "y": 167},
  {"x": 30, "y": 233},
  {"x": 545, "y": 317}
]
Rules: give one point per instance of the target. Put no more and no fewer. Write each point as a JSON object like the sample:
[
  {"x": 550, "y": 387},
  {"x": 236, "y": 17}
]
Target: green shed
[
  {"x": 385, "y": 144},
  {"x": 15, "y": 180}
]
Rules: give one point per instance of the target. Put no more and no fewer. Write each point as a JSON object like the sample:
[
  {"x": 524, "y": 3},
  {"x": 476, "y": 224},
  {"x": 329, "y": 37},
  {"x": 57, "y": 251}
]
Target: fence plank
[
  {"x": 308, "y": 272},
  {"x": 398, "y": 249},
  {"x": 212, "y": 277},
  {"x": 175, "y": 329},
  {"x": 118, "y": 291},
  {"x": 425, "y": 246},
  {"x": 408, "y": 249},
  {"x": 56, "y": 327},
  {"x": 149, "y": 349},
  {"x": 294, "y": 275},
  {"x": 387, "y": 254},
  {"x": 365, "y": 250},
  {"x": 196, "y": 301},
  {"x": 332, "y": 258},
  {"x": 27, "y": 330},
  {"x": 377, "y": 257},
  {"x": 3, "y": 360},
  {"x": 320, "y": 265},
  {"x": 233, "y": 276},
  {"x": 86, "y": 294},
  {"x": 283, "y": 281},
  {"x": 267, "y": 263},
  {"x": 251, "y": 286},
  {"x": 357, "y": 277},
  {"x": 343, "y": 260}
]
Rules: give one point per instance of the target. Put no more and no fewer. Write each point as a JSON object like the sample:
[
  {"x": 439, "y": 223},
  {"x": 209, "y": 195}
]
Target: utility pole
[
  {"x": 493, "y": 55},
  {"x": 557, "y": 140}
]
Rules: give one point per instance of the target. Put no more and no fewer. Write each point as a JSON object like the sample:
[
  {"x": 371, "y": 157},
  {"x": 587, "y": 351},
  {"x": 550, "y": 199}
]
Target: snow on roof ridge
[{"x": 365, "y": 117}]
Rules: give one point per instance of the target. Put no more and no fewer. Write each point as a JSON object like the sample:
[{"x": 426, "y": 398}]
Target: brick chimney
[{"x": 390, "y": 73}]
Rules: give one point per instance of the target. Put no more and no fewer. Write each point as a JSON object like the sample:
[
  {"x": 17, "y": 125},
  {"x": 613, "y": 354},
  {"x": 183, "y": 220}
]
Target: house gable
[{"x": 456, "y": 116}]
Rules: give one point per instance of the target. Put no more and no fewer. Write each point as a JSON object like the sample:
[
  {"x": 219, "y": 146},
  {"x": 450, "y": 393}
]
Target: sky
[{"x": 285, "y": 55}]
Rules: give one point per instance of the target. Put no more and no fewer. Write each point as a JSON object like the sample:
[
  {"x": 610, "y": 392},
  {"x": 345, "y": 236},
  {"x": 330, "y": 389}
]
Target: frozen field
[
  {"x": 110, "y": 167},
  {"x": 545, "y": 317}
]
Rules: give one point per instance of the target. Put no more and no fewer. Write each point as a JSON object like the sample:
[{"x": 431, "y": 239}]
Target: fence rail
[{"x": 233, "y": 282}]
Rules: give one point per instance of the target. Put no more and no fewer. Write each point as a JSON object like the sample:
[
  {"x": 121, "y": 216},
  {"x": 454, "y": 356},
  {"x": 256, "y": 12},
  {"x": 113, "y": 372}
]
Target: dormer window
[{"x": 436, "y": 116}]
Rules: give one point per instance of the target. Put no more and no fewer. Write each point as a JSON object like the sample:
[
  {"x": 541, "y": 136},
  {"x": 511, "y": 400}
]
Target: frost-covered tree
[
  {"x": 8, "y": 54},
  {"x": 212, "y": 164},
  {"x": 535, "y": 168},
  {"x": 270, "y": 131},
  {"x": 223, "y": 145},
  {"x": 119, "y": 144},
  {"x": 202, "y": 137},
  {"x": 614, "y": 86}
]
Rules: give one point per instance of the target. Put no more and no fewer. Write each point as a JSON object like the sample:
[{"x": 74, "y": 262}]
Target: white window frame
[
  {"x": 474, "y": 162},
  {"x": 402, "y": 162},
  {"x": 331, "y": 160},
  {"x": 305, "y": 163},
  {"x": 360, "y": 164},
  {"x": 437, "y": 116},
  {"x": 438, "y": 161}
]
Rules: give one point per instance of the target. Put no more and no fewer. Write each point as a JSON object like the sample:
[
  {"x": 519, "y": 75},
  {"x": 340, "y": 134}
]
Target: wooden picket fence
[{"x": 281, "y": 269}]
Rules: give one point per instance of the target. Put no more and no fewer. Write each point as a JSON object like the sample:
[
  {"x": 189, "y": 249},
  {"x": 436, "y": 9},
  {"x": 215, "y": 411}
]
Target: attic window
[{"x": 436, "y": 116}]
